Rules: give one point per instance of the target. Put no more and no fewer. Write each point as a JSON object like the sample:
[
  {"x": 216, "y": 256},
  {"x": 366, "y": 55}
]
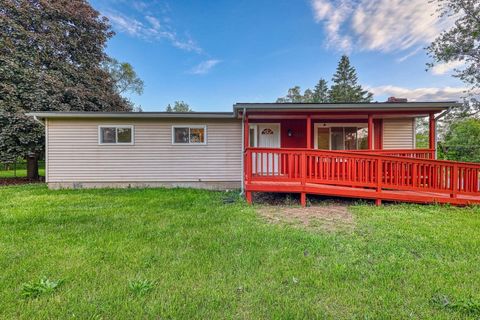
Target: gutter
[
  {"x": 134, "y": 115},
  {"x": 441, "y": 115},
  {"x": 444, "y": 113},
  {"x": 38, "y": 120}
]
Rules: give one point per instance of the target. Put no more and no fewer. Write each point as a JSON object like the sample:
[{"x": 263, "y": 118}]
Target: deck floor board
[{"x": 359, "y": 192}]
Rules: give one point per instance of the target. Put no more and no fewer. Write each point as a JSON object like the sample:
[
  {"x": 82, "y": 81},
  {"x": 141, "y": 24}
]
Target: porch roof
[{"x": 413, "y": 107}]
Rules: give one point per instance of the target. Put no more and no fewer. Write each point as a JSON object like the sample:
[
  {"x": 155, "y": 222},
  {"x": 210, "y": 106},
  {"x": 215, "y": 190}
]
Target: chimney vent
[{"x": 393, "y": 99}]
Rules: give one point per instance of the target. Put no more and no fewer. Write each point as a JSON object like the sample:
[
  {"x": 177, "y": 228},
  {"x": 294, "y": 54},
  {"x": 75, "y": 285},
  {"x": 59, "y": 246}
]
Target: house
[{"x": 359, "y": 150}]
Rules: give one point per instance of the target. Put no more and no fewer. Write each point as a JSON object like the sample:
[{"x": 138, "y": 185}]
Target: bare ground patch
[
  {"x": 19, "y": 180},
  {"x": 329, "y": 217}
]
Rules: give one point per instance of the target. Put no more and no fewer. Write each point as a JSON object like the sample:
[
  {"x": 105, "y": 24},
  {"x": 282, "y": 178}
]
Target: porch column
[
  {"x": 370, "y": 132},
  {"x": 309, "y": 132},
  {"x": 431, "y": 132},
  {"x": 247, "y": 161},
  {"x": 246, "y": 133}
]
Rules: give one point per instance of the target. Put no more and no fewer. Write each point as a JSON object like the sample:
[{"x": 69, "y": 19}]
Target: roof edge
[{"x": 137, "y": 115}]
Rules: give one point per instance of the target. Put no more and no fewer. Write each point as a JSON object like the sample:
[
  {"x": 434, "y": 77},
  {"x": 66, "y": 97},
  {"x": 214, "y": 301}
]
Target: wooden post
[
  {"x": 303, "y": 168},
  {"x": 455, "y": 177},
  {"x": 309, "y": 132},
  {"x": 246, "y": 133},
  {"x": 303, "y": 177},
  {"x": 303, "y": 199},
  {"x": 370, "y": 132},
  {"x": 248, "y": 195},
  {"x": 431, "y": 133},
  {"x": 378, "y": 201}
]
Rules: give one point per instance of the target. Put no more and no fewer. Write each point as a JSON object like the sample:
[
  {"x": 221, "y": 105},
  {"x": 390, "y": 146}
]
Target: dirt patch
[
  {"x": 16, "y": 181},
  {"x": 329, "y": 217}
]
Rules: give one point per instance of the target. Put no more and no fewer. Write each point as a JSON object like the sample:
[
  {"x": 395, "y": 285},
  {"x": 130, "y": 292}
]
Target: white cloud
[
  {"x": 205, "y": 66},
  {"x": 151, "y": 28},
  {"x": 409, "y": 54},
  {"x": 420, "y": 94},
  {"x": 128, "y": 25},
  {"x": 379, "y": 25},
  {"x": 443, "y": 68}
]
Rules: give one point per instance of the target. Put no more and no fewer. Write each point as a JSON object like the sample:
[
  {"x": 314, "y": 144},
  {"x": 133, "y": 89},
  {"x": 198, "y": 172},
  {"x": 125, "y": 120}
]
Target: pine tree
[
  {"x": 345, "y": 87},
  {"x": 308, "y": 96},
  {"x": 320, "y": 92}
]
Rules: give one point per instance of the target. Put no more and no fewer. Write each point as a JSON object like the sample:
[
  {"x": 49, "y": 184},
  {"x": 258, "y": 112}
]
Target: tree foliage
[
  {"x": 461, "y": 43},
  {"x": 124, "y": 76},
  {"x": 51, "y": 56},
  {"x": 179, "y": 106},
  {"x": 345, "y": 88},
  {"x": 462, "y": 141},
  {"x": 294, "y": 95},
  {"x": 320, "y": 92},
  {"x": 18, "y": 136}
]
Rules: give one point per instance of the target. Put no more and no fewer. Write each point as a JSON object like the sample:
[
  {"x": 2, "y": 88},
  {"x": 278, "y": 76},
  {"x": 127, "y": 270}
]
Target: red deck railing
[
  {"x": 362, "y": 169},
  {"x": 410, "y": 153}
]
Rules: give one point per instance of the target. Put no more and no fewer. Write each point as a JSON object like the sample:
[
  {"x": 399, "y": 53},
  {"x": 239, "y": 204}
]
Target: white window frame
[
  {"x": 331, "y": 125},
  {"x": 189, "y": 126},
  {"x": 253, "y": 127},
  {"x": 116, "y": 126}
]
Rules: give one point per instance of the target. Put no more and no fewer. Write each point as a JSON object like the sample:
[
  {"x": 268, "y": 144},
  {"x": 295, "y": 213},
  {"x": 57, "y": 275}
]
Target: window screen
[
  {"x": 189, "y": 135},
  {"x": 116, "y": 135}
]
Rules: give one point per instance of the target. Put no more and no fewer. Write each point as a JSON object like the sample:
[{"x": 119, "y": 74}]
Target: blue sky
[{"x": 212, "y": 54}]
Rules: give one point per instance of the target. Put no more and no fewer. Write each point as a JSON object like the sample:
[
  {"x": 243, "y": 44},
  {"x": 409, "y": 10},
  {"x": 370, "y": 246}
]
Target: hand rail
[
  {"x": 410, "y": 153},
  {"x": 362, "y": 169},
  {"x": 370, "y": 153}
]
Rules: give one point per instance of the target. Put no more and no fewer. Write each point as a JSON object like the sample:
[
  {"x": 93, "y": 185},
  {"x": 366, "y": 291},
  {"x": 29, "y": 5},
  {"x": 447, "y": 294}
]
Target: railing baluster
[
  {"x": 455, "y": 181},
  {"x": 346, "y": 168}
]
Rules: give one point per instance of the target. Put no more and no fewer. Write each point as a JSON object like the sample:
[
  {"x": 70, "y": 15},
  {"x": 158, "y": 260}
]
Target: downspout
[
  {"x": 441, "y": 115},
  {"x": 242, "y": 190},
  {"x": 38, "y": 120}
]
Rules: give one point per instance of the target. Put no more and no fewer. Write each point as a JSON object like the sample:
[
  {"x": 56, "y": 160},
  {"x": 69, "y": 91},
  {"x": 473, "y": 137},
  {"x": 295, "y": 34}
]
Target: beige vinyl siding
[
  {"x": 74, "y": 154},
  {"x": 398, "y": 133}
]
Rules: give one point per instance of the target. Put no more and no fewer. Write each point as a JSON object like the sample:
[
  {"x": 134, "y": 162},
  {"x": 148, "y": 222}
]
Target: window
[
  {"x": 189, "y": 135},
  {"x": 267, "y": 131},
  {"x": 115, "y": 134},
  {"x": 349, "y": 138}
]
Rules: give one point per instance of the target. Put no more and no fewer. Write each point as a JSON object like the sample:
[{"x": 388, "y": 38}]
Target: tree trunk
[{"x": 32, "y": 167}]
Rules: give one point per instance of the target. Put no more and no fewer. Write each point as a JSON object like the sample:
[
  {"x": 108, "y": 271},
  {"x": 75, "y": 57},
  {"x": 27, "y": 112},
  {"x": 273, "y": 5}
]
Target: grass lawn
[
  {"x": 19, "y": 174},
  {"x": 21, "y": 171},
  {"x": 179, "y": 253}
]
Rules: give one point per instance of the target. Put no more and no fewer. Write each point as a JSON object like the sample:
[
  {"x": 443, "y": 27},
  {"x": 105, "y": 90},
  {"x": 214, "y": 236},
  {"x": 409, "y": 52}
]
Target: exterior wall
[
  {"x": 398, "y": 133},
  {"x": 75, "y": 158}
]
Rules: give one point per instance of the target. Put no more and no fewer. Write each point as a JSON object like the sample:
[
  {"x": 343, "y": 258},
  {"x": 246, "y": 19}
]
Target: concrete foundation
[{"x": 209, "y": 185}]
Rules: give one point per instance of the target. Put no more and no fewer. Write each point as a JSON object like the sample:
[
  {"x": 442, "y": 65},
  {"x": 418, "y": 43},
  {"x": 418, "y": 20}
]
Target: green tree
[
  {"x": 462, "y": 141},
  {"x": 345, "y": 86},
  {"x": 179, "y": 106},
  {"x": 125, "y": 78},
  {"x": 320, "y": 92},
  {"x": 307, "y": 96},
  {"x": 51, "y": 56},
  {"x": 294, "y": 95},
  {"x": 461, "y": 43}
]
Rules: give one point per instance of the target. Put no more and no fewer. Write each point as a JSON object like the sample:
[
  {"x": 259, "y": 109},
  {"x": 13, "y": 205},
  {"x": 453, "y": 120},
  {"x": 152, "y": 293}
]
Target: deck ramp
[{"x": 361, "y": 175}]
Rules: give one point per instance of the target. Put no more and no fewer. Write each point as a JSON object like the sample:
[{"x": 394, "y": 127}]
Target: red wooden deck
[{"x": 396, "y": 175}]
